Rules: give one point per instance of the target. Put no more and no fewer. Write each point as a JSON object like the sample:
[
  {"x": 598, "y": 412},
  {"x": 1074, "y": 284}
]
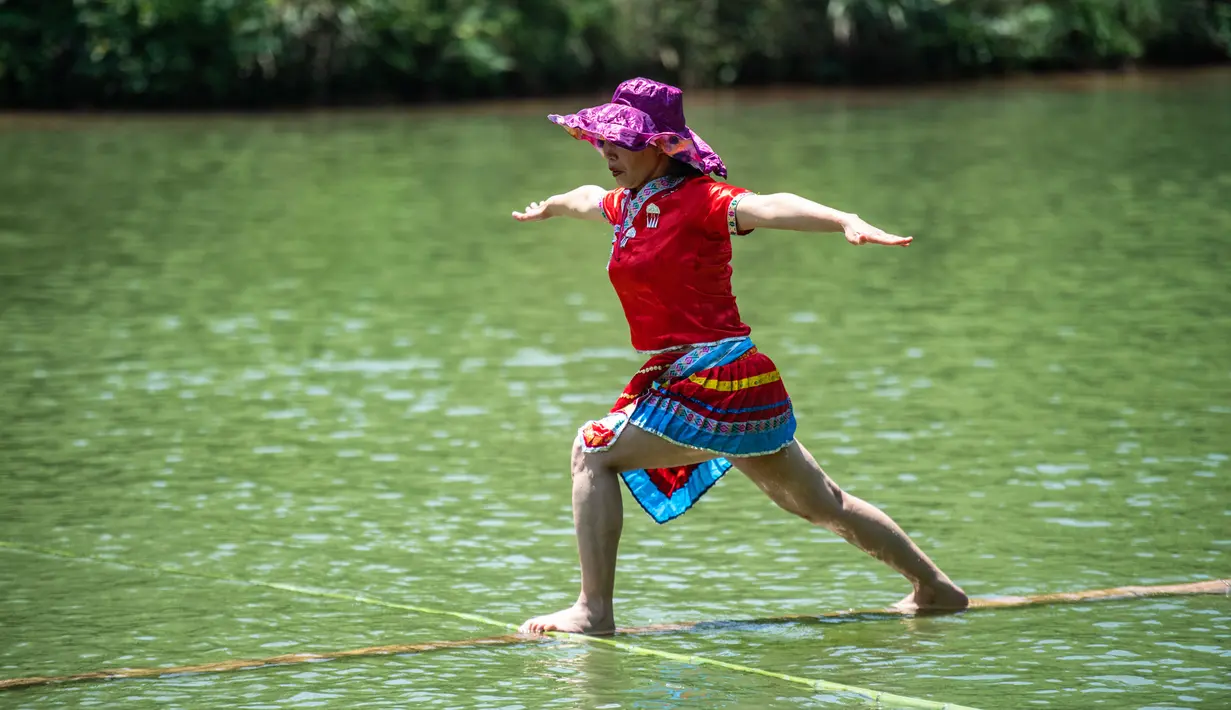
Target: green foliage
[{"x": 258, "y": 52}]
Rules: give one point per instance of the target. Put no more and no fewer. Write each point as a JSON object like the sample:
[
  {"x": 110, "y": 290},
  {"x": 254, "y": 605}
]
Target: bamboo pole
[
  {"x": 1213, "y": 586},
  {"x": 244, "y": 664},
  {"x": 1219, "y": 586}
]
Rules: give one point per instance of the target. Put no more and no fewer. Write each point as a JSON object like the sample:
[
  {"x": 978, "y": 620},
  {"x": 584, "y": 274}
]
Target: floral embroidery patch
[
  {"x": 597, "y": 435},
  {"x": 600, "y": 434}
]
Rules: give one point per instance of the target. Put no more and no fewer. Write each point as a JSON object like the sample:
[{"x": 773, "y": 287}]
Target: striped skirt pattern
[{"x": 726, "y": 398}]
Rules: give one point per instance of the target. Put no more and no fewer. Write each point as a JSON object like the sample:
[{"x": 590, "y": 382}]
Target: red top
[{"x": 671, "y": 261}]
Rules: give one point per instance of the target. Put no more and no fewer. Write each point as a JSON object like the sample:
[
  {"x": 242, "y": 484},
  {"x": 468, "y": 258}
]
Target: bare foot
[
  {"x": 577, "y": 619},
  {"x": 941, "y": 596}
]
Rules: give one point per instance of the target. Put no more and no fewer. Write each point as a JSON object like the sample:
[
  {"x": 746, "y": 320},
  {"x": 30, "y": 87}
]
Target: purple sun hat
[{"x": 643, "y": 112}]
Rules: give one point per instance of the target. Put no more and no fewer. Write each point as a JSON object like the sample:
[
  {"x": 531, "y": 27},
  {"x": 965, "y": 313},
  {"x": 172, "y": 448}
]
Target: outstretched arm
[
  {"x": 792, "y": 212},
  {"x": 581, "y": 203}
]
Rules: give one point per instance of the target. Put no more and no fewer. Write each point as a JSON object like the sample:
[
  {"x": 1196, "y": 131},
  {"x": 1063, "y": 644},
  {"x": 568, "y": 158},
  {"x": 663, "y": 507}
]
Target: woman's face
[{"x": 633, "y": 168}]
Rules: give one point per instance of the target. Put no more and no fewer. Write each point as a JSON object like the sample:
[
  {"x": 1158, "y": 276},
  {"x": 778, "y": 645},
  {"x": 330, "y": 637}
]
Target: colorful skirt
[{"x": 725, "y": 398}]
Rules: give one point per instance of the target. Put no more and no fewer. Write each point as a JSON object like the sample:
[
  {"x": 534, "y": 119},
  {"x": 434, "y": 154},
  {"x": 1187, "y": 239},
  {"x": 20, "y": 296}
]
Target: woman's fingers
[
  {"x": 867, "y": 234},
  {"x": 534, "y": 211},
  {"x": 892, "y": 240}
]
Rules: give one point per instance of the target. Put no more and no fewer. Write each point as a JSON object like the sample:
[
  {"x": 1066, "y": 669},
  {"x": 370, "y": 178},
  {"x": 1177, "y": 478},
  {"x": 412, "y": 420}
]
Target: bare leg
[
  {"x": 794, "y": 480},
  {"x": 598, "y": 517}
]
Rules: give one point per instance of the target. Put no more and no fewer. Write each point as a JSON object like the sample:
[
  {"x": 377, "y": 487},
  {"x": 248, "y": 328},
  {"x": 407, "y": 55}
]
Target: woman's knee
[
  {"x": 584, "y": 462},
  {"x": 826, "y": 507},
  {"x": 794, "y": 481}
]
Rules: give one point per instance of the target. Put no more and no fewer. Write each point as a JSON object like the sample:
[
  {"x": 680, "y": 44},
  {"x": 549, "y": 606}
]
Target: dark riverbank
[
  {"x": 254, "y": 54},
  {"x": 697, "y": 100}
]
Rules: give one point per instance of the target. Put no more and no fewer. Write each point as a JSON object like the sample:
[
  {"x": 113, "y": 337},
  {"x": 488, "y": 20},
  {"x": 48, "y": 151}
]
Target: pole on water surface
[
  {"x": 1218, "y": 586},
  {"x": 1204, "y": 587}
]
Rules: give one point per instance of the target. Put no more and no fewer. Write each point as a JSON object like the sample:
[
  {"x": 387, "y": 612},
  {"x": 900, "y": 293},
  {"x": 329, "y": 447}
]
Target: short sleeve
[
  {"x": 610, "y": 205},
  {"x": 721, "y": 218}
]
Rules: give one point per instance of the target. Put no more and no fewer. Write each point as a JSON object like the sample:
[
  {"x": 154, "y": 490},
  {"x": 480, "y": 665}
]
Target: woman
[{"x": 707, "y": 399}]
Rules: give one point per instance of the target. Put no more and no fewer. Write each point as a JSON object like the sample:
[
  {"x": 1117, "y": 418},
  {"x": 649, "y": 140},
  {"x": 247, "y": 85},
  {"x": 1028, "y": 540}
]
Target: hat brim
[{"x": 686, "y": 147}]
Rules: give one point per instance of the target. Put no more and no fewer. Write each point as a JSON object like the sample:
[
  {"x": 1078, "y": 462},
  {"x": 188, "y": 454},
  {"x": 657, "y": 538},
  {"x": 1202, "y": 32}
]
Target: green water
[{"x": 316, "y": 350}]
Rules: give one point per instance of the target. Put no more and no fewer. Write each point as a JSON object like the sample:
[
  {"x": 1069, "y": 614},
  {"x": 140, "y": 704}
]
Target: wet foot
[
  {"x": 577, "y": 619},
  {"x": 941, "y": 596}
]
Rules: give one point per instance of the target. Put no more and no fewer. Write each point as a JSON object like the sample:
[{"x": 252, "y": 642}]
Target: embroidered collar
[{"x": 634, "y": 204}]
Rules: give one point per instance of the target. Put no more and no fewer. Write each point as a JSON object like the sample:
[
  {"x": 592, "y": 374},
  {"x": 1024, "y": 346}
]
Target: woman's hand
[
  {"x": 579, "y": 203},
  {"x": 535, "y": 212},
  {"x": 860, "y": 232}
]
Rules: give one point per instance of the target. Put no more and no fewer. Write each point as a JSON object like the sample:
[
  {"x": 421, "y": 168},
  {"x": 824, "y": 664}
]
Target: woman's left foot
[{"x": 941, "y": 596}]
